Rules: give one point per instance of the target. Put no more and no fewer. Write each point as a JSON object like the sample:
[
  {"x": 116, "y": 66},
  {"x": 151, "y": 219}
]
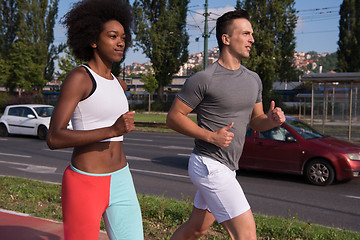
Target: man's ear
[{"x": 225, "y": 39}]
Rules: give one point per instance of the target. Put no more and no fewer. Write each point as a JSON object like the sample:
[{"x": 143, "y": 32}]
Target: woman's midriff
[{"x": 100, "y": 157}]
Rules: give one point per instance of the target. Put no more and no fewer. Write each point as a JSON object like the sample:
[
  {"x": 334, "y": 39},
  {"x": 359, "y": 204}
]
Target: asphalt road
[{"x": 159, "y": 166}]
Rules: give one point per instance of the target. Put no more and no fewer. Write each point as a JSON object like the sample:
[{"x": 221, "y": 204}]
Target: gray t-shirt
[{"x": 221, "y": 96}]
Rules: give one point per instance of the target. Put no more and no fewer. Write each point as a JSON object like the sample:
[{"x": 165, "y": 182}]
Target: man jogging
[{"x": 226, "y": 97}]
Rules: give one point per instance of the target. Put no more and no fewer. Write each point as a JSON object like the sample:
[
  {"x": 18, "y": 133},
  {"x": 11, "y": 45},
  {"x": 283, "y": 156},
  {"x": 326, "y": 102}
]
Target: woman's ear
[{"x": 93, "y": 45}]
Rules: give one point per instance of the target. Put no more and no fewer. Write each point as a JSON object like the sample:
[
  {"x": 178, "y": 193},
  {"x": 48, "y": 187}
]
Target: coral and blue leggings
[{"x": 86, "y": 197}]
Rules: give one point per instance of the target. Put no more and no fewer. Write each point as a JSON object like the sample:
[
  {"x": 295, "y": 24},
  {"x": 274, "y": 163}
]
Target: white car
[{"x": 26, "y": 119}]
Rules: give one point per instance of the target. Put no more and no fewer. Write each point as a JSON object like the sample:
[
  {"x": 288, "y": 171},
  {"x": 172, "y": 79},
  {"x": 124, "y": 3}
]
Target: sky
[{"x": 317, "y": 27}]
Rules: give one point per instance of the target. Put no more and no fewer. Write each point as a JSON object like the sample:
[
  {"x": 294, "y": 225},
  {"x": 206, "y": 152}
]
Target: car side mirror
[
  {"x": 30, "y": 116},
  {"x": 290, "y": 139}
]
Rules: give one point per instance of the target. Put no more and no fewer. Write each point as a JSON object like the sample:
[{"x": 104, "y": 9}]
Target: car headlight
[{"x": 353, "y": 156}]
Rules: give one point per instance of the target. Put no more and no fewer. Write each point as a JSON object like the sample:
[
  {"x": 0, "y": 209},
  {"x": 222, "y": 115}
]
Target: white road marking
[
  {"x": 184, "y": 154},
  {"x": 159, "y": 173},
  {"x": 58, "y": 150},
  {"x": 15, "y": 155},
  {"x": 349, "y": 196},
  {"x": 138, "y": 158},
  {"x": 31, "y": 168},
  {"x": 177, "y": 147},
  {"x": 139, "y": 139},
  {"x": 38, "y": 169}
]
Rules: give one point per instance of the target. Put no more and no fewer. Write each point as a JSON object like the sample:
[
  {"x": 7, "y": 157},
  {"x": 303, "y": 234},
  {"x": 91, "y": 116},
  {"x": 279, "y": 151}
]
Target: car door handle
[{"x": 260, "y": 143}]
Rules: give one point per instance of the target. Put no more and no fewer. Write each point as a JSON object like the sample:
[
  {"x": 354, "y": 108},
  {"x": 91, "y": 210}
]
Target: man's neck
[{"x": 229, "y": 62}]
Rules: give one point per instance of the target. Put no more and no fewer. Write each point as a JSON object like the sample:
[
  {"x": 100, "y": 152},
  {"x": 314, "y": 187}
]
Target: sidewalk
[{"x": 19, "y": 226}]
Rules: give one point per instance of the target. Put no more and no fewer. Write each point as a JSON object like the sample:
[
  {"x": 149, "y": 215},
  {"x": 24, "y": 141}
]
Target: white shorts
[{"x": 218, "y": 189}]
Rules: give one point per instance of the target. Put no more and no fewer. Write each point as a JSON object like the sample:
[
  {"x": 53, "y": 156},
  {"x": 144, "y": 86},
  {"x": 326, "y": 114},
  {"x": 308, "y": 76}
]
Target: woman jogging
[{"x": 98, "y": 182}]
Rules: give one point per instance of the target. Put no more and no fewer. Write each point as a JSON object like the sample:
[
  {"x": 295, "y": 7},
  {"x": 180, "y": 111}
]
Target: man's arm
[
  {"x": 262, "y": 122},
  {"x": 178, "y": 120}
]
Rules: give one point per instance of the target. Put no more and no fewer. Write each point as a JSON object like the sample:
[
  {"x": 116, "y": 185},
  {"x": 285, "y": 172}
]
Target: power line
[
  {"x": 317, "y": 32},
  {"x": 317, "y": 9}
]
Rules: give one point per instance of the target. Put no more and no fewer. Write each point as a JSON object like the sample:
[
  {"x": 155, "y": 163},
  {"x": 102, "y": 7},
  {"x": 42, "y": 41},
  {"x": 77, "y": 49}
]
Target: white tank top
[{"x": 105, "y": 104}]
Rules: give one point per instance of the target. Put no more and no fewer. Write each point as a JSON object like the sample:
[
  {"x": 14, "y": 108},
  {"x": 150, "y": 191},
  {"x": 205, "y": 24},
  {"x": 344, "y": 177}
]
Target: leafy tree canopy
[
  {"x": 26, "y": 42},
  {"x": 349, "y": 37},
  {"x": 272, "y": 53},
  {"x": 160, "y": 30}
]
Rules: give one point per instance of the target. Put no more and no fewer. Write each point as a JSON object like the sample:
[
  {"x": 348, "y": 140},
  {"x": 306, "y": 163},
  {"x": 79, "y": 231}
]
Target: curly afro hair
[{"x": 84, "y": 23}]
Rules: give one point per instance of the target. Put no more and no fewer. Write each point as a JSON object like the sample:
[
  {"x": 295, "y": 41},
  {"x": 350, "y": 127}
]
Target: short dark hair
[
  {"x": 223, "y": 22},
  {"x": 85, "y": 21}
]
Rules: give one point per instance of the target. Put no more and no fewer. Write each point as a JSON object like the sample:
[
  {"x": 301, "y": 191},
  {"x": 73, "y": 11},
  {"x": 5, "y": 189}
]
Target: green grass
[
  {"x": 150, "y": 117},
  {"x": 155, "y": 117},
  {"x": 161, "y": 215}
]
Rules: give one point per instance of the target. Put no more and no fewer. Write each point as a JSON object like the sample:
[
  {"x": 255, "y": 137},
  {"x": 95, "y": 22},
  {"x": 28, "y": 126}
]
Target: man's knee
[
  {"x": 196, "y": 230},
  {"x": 241, "y": 227},
  {"x": 189, "y": 231}
]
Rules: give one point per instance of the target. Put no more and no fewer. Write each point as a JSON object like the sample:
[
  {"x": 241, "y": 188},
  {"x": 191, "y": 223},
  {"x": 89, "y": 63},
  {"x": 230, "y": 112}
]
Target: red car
[{"x": 297, "y": 148}]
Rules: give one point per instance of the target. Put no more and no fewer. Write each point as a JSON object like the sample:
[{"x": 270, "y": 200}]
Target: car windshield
[
  {"x": 303, "y": 129},
  {"x": 44, "y": 111}
]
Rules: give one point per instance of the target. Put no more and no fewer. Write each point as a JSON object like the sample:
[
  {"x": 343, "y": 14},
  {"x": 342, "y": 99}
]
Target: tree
[
  {"x": 26, "y": 38},
  {"x": 160, "y": 29},
  {"x": 272, "y": 53},
  {"x": 328, "y": 62},
  {"x": 349, "y": 37},
  {"x": 67, "y": 63},
  {"x": 38, "y": 21},
  {"x": 196, "y": 69},
  {"x": 23, "y": 72},
  {"x": 9, "y": 23},
  {"x": 150, "y": 85}
]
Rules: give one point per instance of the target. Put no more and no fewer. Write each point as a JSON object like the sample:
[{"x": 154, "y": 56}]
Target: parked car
[
  {"x": 26, "y": 119},
  {"x": 295, "y": 147}
]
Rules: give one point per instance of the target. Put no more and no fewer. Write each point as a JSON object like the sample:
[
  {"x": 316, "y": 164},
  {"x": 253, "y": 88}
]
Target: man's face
[{"x": 240, "y": 38}]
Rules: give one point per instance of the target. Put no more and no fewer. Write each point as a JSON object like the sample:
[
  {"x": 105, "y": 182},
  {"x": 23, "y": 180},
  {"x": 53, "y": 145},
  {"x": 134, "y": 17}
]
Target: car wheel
[
  {"x": 42, "y": 132},
  {"x": 319, "y": 172},
  {"x": 3, "y": 131}
]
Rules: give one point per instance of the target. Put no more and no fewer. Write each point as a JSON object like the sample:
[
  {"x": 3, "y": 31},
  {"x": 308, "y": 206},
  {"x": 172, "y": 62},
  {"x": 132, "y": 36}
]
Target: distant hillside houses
[
  {"x": 303, "y": 61},
  {"x": 194, "y": 60},
  {"x": 306, "y": 62}
]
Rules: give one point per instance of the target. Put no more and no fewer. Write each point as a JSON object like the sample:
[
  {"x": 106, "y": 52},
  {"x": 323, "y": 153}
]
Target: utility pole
[{"x": 206, "y": 35}]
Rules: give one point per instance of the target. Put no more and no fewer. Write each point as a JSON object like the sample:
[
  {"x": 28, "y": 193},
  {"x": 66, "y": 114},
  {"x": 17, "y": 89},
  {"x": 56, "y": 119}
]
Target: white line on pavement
[
  {"x": 177, "y": 147},
  {"x": 32, "y": 168},
  {"x": 15, "y": 155},
  {"x": 21, "y": 164},
  {"x": 138, "y": 139},
  {"x": 159, "y": 173},
  {"x": 64, "y": 151},
  {"x": 137, "y": 158},
  {"x": 349, "y": 196},
  {"x": 184, "y": 154}
]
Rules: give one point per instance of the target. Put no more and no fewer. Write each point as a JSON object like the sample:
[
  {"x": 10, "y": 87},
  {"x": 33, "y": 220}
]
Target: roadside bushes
[
  {"x": 25, "y": 98},
  {"x": 4, "y": 98}
]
